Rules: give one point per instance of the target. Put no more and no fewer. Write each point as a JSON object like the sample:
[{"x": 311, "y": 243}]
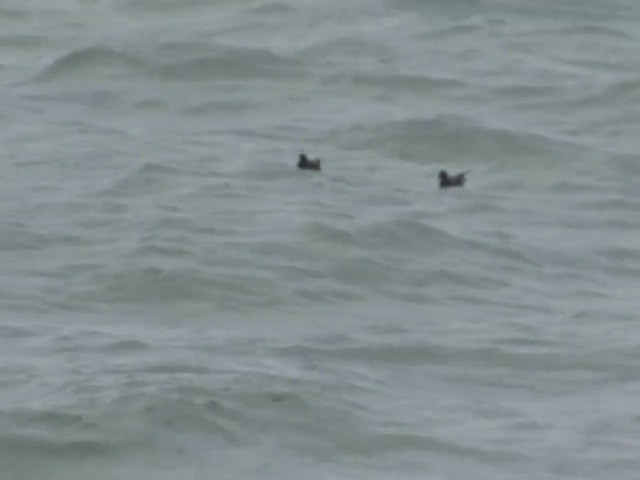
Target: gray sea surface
[{"x": 178, "y": 301}]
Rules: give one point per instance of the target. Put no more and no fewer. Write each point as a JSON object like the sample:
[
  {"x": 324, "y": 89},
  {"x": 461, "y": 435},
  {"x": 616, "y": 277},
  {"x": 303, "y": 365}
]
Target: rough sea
[{"x": 178, "y": 301}]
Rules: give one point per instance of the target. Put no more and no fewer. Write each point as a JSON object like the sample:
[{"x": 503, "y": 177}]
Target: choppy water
[{"x": 178, "y": 301}]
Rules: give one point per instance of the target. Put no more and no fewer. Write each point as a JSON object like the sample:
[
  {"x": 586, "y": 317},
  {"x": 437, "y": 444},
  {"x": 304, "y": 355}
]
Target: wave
[
  {"x": 347, "y": 46},
  {"x": 454, "y": 30},
  {"x": 405, "y": 235},
  {"x": 588, "y": 30},
  {"x": 404, "y": 82},
  {"x": 148, "y": 178},
  {"x": 450, "y": 136},
  {"x": 222, "y": 62},
  {"x": 208, "y": 108},
  {"x": 18, "y": 236},
  {"x": 450, "y": 8},
  {"x": 21, "y": 40},
  {"x": 587, "y": 12},
  {"x": 14, "y": 13},
  {"x": 623, "y": 88},
  {"x": 605, "y": 99},
  {"x": 188, "y": 285},
  {"x": 93, "y": 61},
  {"x": 151, "y": 6},
  {"x": 275, "y": 8},
  {"x": 15, "y": 332},
  {"x": 399, "y": 258},
  {"x": 520, "y": 92},
  {"x": 324, "y": 232},
  {"x": 323, "y": 263},
  {"x": 53, "y": 446},
  {"x": 232, "y": 63},
  {"x": 149, "y": 284}
]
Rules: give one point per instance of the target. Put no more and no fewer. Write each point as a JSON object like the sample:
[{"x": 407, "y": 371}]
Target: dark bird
[
  {"x": 447, "y": 180},
  {"x": 304, "y": 163}
]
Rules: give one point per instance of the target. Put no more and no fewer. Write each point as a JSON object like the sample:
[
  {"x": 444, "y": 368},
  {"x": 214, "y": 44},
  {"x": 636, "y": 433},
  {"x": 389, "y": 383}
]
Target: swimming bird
[
  {"x": 304, "y": 163},
  {"x": 447, "y": 180}
]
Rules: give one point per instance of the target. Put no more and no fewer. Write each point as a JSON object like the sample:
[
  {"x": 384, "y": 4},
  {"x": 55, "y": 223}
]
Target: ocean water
[{"x": 178, "y": 301}]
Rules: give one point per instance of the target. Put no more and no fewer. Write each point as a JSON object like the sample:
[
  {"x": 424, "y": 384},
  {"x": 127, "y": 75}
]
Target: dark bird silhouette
[
  {"x": 304, "y": 163},
  {"x": 447, "y": 180}
]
